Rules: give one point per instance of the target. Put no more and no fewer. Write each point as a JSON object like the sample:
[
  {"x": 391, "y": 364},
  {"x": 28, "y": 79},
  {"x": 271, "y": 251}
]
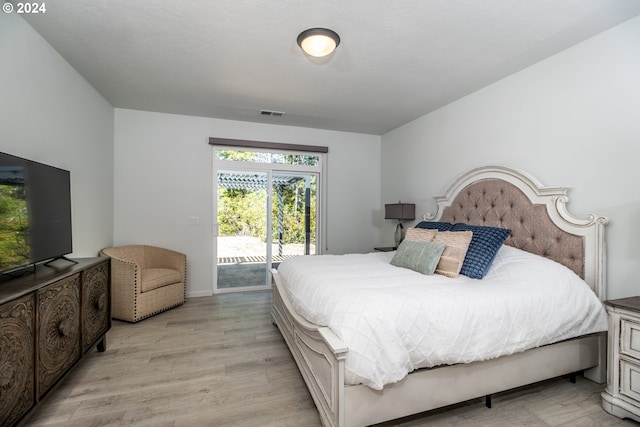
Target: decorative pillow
[
  {"x": 420, "y": 235},
  {"x": 433, "y": 225},
  {"x": 418, "y": 256},
  {"x": 456, "y": 246},
  {"x": 484, "y": 246}
]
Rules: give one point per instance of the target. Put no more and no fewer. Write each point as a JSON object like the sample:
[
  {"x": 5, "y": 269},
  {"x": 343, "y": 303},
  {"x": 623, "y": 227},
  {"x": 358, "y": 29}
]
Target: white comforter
[{"x": 395, "y": 320}]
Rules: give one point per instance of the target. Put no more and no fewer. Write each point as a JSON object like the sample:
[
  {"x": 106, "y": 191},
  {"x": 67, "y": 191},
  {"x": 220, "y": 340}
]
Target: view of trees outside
[
  {"x": 293, "y": 214},
  {"x": 14, "y": 227},
  {"x": 242, "y": 211}
]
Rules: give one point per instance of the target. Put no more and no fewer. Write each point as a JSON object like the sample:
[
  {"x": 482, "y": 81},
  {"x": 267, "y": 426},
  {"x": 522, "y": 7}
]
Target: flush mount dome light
[{"x": 318, "y": 42}]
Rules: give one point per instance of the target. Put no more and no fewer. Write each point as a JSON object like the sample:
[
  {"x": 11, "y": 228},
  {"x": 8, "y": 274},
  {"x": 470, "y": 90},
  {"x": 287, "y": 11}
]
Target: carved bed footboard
[{"x": 319, "y": 354}]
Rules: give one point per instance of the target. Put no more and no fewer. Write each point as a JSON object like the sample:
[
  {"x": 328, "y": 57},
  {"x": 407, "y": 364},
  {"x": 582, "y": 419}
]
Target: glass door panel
[
  {"x": 242, "y": 223},
  {"x": 294, "y": 208}
]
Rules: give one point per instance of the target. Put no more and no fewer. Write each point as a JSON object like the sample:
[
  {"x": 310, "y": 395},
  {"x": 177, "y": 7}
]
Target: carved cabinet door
[
  {"x": 58, "y": 330},
  {"x": 95, "y": 304},
  {"x": 16, "y": 359}
]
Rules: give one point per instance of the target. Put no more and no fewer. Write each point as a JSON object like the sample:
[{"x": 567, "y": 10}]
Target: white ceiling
[{"x": 398, "y": 60}]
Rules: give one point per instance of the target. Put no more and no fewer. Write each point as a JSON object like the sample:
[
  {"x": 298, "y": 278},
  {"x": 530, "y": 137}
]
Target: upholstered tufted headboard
[
  {"x": 539, "y": 222},
  {"x": 501, "y": 204}
]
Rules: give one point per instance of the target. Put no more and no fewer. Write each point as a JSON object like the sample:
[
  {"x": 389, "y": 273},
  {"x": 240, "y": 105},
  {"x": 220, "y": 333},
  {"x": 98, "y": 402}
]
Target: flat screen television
[{"x": 35, "y": 213}]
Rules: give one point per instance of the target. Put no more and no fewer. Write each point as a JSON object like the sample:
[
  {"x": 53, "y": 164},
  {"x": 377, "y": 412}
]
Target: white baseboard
[{"x": 198, "y": 294}]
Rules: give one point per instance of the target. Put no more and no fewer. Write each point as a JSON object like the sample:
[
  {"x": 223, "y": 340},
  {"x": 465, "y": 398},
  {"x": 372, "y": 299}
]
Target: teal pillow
[{"x": 422, "y": 257}]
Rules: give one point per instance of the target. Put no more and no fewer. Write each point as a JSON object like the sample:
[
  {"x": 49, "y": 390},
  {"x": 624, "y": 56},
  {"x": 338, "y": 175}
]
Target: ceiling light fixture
[{"x": 318, "y": 42}]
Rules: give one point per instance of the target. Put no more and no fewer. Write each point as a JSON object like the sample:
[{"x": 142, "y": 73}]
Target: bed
[{"x": 491, "y": 196}]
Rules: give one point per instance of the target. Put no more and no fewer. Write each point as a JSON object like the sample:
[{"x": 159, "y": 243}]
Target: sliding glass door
[{"x": 264, "y": 213}]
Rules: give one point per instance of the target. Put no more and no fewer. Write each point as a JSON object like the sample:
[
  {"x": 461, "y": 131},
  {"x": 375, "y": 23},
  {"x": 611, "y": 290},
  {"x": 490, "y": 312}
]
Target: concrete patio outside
[{"x": 242, "y": 260}]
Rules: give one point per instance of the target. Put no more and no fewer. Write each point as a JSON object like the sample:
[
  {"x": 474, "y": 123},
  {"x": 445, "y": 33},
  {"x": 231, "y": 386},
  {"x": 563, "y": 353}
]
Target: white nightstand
[{"x": 622, "y": 395}]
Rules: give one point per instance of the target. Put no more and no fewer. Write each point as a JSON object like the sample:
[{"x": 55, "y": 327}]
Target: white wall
[
  {"x": 572, "y": 119},
  {"x": 50, "y": 114},
  {"x": 163, "y": 176}
]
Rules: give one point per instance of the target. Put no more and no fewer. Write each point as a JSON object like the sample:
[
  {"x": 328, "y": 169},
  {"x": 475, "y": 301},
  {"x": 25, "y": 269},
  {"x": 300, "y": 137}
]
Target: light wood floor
[{"x": 219, "y": 361}]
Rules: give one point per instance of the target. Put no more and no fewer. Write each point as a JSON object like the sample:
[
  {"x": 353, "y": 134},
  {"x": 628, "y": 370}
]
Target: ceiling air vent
[{"x": 271, "y": 113}]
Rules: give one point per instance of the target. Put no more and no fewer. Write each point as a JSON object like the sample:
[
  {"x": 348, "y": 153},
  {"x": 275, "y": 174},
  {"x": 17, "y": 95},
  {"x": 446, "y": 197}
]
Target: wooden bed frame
[{"x": 540, "y": 223}]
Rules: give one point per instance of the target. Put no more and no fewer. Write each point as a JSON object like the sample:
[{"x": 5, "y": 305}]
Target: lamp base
[{"x": 399, "y": 235}]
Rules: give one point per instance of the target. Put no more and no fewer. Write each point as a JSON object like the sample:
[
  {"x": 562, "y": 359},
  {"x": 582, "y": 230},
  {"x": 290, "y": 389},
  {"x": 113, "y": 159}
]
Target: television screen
[{"x": 35, "y": 212}]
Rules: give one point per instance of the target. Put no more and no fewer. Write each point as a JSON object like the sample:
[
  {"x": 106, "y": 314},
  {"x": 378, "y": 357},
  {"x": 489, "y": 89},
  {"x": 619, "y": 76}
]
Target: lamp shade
[
  {"x": 318, "y": 42},
  {"x": 400, "y": 211}
]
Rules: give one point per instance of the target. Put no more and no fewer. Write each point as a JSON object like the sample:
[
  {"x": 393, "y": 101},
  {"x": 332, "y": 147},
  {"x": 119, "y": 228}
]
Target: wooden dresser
[
  {"x": 622, "y": 395},
  {"x": 48, "y": 320}
]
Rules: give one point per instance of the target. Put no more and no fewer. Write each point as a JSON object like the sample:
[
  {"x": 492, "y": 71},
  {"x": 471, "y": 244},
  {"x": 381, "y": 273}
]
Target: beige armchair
[{"x": 145, "y": 280}]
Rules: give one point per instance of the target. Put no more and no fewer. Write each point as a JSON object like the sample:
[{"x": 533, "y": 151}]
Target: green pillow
[{"x": 422, "y": 257}]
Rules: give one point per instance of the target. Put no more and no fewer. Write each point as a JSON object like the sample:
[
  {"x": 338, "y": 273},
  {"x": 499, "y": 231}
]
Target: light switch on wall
[{"x": 193, "y": 220}]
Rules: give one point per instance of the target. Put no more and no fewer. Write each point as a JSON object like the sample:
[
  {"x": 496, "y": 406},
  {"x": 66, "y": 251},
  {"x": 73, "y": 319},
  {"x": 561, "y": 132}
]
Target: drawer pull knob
[
  {"x": 64, "y": 328},
  {"x": 100, "y": 302}
]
